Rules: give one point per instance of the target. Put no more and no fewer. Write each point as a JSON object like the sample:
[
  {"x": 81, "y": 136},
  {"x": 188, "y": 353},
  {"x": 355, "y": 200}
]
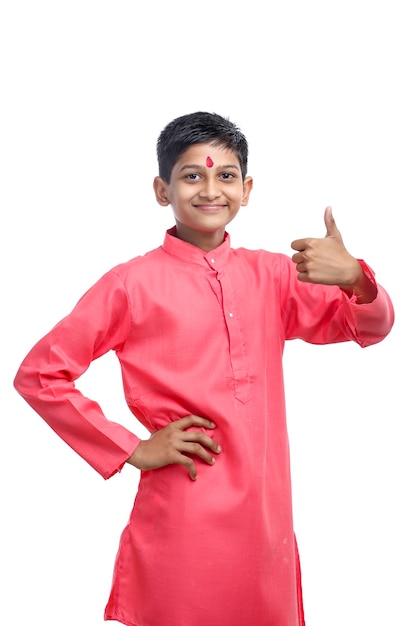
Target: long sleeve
[
  {"x": 99, "y": 323},
  {"x": 322, "y": 314}
]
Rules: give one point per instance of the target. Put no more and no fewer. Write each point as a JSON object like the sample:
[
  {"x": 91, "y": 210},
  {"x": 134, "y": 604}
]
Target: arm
[
  {"x": 333, "y": 297},
  {"x": 46, "y": 378}
]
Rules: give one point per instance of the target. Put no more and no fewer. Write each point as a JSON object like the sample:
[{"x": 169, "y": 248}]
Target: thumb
[{"x": 331, "y": 228}]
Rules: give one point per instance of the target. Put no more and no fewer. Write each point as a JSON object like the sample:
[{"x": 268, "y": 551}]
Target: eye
[
  {"x": 226, "y": 176},
  {"x": 192, "y": 176}
]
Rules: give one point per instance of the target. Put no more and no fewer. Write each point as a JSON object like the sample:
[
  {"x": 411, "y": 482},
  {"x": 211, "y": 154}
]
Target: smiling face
[{"x": 205, "y": 192}]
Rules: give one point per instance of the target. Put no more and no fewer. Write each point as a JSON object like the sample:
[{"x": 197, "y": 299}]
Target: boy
[{"x": 199, "y": 330}]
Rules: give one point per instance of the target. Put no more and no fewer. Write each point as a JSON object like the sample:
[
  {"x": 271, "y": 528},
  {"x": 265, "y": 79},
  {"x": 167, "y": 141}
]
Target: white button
[
  {"x": 230, "y": 314},
  {"x": 213, "y": 260}
]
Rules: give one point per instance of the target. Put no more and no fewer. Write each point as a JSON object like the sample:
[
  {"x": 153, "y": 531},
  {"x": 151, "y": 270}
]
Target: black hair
[{"x": 199, "y": 127}]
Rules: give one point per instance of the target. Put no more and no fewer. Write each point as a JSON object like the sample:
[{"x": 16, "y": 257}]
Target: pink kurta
[{"x": 199, "y": 333}]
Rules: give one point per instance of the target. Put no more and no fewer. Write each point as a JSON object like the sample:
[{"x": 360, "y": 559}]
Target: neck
[{"x": 205, "y": 241}]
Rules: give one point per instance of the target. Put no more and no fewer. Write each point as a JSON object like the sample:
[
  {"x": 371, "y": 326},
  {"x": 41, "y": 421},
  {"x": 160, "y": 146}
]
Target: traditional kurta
[{"x": 198, "y": 333}]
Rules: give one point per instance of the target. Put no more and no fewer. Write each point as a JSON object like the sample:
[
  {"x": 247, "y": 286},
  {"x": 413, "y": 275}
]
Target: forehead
[{"x": 197, "y": 155}]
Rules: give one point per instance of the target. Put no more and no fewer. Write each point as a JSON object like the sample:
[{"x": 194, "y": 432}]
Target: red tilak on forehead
[{"x": 209, "y": 162}]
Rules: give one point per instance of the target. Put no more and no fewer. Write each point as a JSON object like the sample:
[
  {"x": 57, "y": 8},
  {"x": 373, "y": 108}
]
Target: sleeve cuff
[{"x": 369, "y": 273}]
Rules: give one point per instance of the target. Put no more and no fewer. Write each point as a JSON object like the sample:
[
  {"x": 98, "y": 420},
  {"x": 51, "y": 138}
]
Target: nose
[{"x": 210, "y": 189}]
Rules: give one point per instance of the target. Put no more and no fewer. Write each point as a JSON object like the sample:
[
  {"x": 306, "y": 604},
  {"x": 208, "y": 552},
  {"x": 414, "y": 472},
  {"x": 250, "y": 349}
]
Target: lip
[{"x": 210, "y": 208}]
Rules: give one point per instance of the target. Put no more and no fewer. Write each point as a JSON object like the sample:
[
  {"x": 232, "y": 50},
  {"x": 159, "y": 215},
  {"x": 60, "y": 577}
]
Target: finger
[
  {"x": 200, "y": 438},
  {"x": 192, "y": 420},
  {"x": 195, "y": 449},
  {"x": 189, "y": 464},
  {"x": 298, "y": 257},
  {"x": 299, "y": 244},
  {"x": 329, "y": 221},
  {"x": 184, "y": 457},
  {"x": 184, "y": 453},
  {"x": 303, "y": 277}
]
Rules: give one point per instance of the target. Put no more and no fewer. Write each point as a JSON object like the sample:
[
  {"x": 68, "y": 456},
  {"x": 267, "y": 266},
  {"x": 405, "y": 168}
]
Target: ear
[
  {"x": 160, "y": 188},
  {"x": 247, "y": 188}
]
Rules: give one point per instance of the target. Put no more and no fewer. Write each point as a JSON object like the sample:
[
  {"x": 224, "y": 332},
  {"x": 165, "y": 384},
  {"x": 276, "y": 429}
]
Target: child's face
[{"x": 206, "y": 192}]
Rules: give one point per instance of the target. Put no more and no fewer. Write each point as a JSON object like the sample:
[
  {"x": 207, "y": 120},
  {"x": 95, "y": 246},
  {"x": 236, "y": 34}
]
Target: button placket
[{"x": 238, "y": 354}]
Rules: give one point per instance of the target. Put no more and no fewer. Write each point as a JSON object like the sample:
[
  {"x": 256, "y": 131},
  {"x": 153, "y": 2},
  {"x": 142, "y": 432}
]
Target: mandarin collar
[{"x": 190, "y": 253}]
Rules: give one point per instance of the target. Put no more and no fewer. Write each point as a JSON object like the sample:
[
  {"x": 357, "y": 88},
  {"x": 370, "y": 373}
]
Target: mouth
[{"x": 210, "y": 208}]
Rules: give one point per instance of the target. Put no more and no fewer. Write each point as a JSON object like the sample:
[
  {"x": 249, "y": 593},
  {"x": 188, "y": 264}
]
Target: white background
[{"x": 326, "y": 95}]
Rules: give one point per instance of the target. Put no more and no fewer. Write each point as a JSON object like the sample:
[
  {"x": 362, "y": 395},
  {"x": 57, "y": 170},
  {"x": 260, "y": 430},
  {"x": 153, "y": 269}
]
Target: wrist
[
  {"x": 364, "y": 288},
  {"x": 135, "y": 458}
]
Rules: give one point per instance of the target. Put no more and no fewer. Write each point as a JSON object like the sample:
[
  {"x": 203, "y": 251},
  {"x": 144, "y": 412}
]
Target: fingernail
[{"x": 219, "y": 448}]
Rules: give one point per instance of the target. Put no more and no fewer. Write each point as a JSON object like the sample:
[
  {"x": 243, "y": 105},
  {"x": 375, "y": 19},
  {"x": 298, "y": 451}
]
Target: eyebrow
[{"x": 218, "y": 167}]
